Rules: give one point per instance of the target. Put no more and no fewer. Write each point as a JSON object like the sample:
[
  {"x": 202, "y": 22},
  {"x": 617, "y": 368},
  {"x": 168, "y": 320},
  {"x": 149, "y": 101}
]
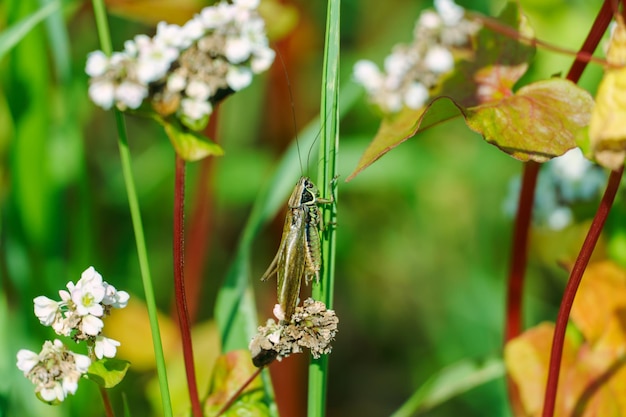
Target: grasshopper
[{"x": 299, "y": 251}]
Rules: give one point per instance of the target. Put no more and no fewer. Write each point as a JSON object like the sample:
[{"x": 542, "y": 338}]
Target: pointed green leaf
[
  {"x": 108, "y": 372},
  {"x": 541, "y": 121},
  {"x": 190, "y": 145}
]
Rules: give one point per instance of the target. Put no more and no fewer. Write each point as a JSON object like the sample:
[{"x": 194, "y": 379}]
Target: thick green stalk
[
  {"x": 329, "y": 114},
  {"x": 135, "y": 213}
]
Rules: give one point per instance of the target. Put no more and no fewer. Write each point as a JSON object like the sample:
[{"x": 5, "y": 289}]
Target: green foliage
[{"x": 108, "y": 372}]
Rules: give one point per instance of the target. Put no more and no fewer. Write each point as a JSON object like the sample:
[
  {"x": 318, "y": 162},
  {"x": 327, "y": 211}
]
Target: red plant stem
[
  {"x": 200, "y": 226},
  {"x": 571, "y": 288},
  {"x": 179, "y": 284},
  {"x": 599, "y": 27},
  {"x": 108, "y": 409},
  {"x": 520, "y": 251}
]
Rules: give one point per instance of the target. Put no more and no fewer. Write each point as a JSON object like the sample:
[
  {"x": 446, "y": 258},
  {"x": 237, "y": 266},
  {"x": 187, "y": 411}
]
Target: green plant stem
[
  {"x": 135, "y": 213},
  {"x": 329, "y": 144},
  {"x": 179, "y": 285}
]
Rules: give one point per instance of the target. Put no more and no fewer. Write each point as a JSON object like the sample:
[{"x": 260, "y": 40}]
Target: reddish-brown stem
[
  {"x": 179, "y": 284},
  {"x": 237, "y": 393},
  {"x": 571, "y": 288},
  {"x": 200, "y": 225},
  {"x": 108, "y": 409},
  {"x": 599, "y": 27}
]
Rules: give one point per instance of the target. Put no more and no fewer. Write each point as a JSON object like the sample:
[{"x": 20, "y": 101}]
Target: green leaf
[
  {"x": 450, "y": 382},
  {"x": 487, "y": 75},
  {"x": 13, "y": 35},
  {"x": 541, "y": 121},
  {"x": 108, "y": 372},
  {"x": 190, "y": 145}
]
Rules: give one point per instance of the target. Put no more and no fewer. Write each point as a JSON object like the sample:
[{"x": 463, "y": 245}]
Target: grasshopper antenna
[{"x": 293, "y": 106}]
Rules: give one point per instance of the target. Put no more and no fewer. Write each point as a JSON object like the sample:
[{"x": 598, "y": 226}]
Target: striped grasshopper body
[{"x": 299, "y": 253}]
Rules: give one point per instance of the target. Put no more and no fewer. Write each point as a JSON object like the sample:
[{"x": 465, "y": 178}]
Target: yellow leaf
[{"x": 607, "y": 130}]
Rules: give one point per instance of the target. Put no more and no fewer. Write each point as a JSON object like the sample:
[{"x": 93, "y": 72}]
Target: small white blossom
[
  {"x": 219, "y": 15},
  {"x": 193, "y": 30},
  {"x": 130, "y": 94},
  {"x": 439, "y": 60},
  {"x": 91, "y": 325},
  {"x": 105, "y": 347},
  {"x": 154, "y": 61},
  {"x": 429, "y": 20},
  {"x": 102, "y": 93},
  {"x": 198, "y": 90},
  {"x": 46, "y": 310},
  {"x": 238, "y": 77},
  {"x": 114, "y": 298},
  {"x": 278, "y": 312},
  {"x": 367, "y": 73},
  {"x": 248, "y": 4},
  {"x": 450, "y": 12},
  {"x": 194, "y": 109},
  {"x": 262, "y": 59},
  {"x": 560, "y": 218},
  {"x": 97, "y": 64},
  {"x": 171, "y": 35},
  {"x": 416, "y": 96},
  {"x": 176, "y": 82},
  {"x": 237, "y": 50},
  {"x": 26, "y": 360},
  {"x": 88, "y": 293}
]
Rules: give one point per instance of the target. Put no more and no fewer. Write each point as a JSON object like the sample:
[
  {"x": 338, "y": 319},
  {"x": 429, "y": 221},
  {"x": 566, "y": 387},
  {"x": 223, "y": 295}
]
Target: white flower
[
  {"x": 53, "y": 393},
  {"x": 46, "y": 310},
  {"x": 97, "y": 64},
  {"x": 26, "y": 360},
  {"x": 397, "y": 64},
  {"x": 238, "y": 77},
  {"x": 560, "y": 217},
  {"x": 262, "y": 59},
  {"x": 367, "y": 73},
  {"x": 176, "y": 82},
  {"x": 154, "y": 61},
  {"x": 198, "y": 90},
  {"x": 171, "y": 35},
  {"x": 439, "y": 60},
  {"x": 415, "y": 96},
  {"x": 248, "y": 4},
  {"x": 429, "y": 20},
  {"x": 216, "y": 16},
  {"x": 194, "y": 109},
  {"x": 571, "y": 166},
  {"x": 237, "y": 50},
  {"x": 102, "y": 93},
  {"x": 114, "y": 298},
  {"x": 87, "y": 298},
  {"x": 450, "y": 12},
  {"x": 82, "y": 362},
  {"x": 193, "y": 30},
  {"x": 62, "y": 327},
  {"x": 91, "y": 325},
  {"x": 130, "y": 94},
  {"x": 391, "y": 102},
  {"x": 105, "y": 347}
]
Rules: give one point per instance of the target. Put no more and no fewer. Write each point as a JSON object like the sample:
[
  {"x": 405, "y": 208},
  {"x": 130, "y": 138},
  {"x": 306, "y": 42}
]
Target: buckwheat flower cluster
[
  {"x": 563, "y": 182},
  {"x": 55, "y": 370},
  {"x": 312, "y": 326},
  {"x": 185, "y": 70},
  {"x": 413, "y": 70},
  {"x": 78, "y": 315}
]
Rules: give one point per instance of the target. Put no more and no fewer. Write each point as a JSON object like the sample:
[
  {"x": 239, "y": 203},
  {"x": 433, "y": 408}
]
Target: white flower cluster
[
  {"x": 55, "y": 370},
  {"x": 411, "y": 71},
  {"x": 185, "y": 70},
  {"x": 563, "y": 182},
  {"x": 78, "y": 315}
]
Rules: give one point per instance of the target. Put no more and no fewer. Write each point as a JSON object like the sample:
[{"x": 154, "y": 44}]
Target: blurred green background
[{"x": 423, "y": 242}]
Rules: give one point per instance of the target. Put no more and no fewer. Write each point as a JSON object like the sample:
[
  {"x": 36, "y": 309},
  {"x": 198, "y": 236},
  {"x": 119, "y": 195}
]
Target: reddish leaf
[
  {"x": 541, "y": 121},
  {"x": 593, "y": 375}
]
